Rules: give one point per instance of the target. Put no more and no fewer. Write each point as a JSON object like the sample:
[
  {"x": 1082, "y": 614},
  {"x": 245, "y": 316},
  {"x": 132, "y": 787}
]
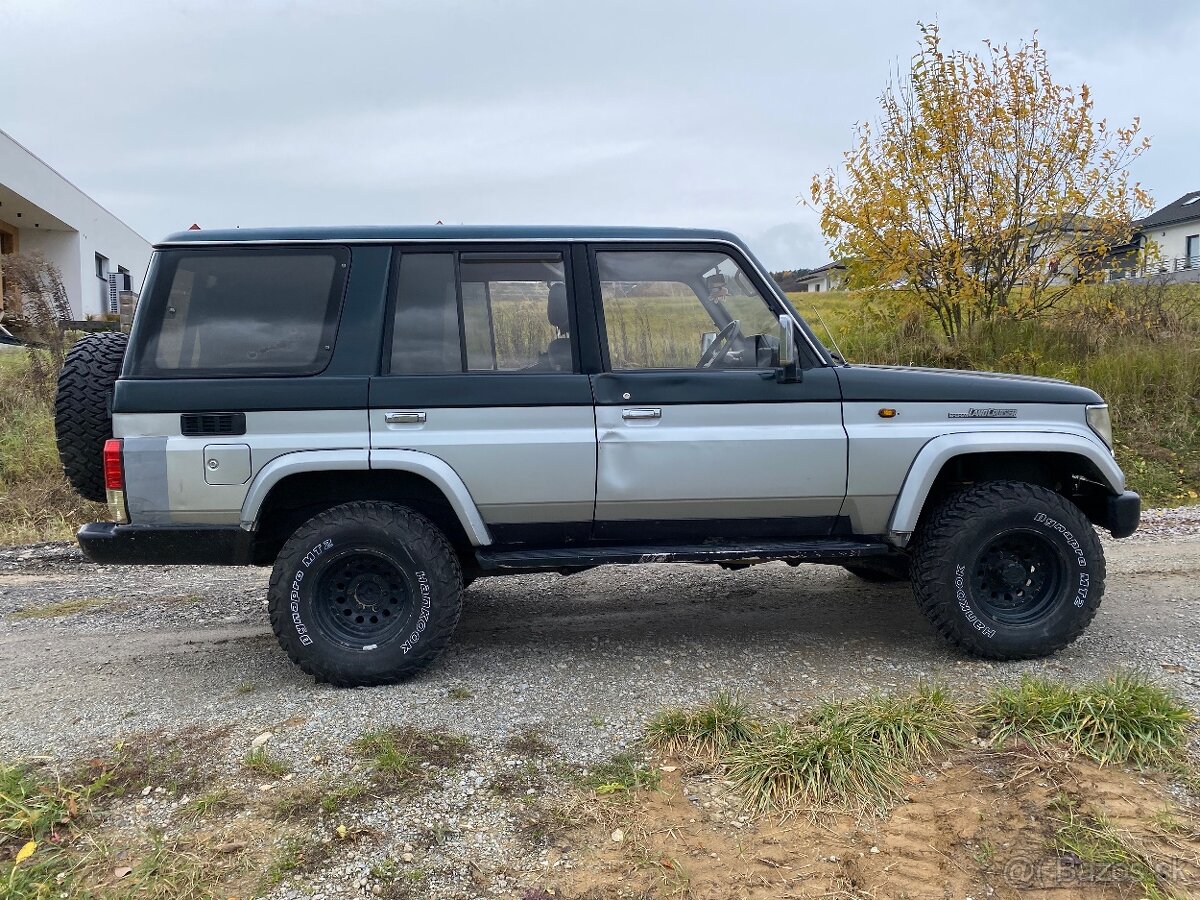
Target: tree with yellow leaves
[{"x": 984, "y": 189}]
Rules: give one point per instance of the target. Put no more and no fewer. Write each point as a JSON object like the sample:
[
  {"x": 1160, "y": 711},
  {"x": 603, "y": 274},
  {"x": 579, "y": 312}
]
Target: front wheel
[
  {"x": 1008, "y": 570},
  {"x": 365, "y": 593}
]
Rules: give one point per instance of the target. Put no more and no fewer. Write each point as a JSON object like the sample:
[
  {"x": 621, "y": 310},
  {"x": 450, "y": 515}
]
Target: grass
[
  {"x": 1107, "y": 853},
  {"x": 259, "y": 761},
  {"x": 909, "y": 728},
  {"x": 857, "y": 753},
  {"x": 831, "y": 765},
  {"x": 404, "y": 757},
  {"x": 182, "y": 762},
  {"x": 38, "y": 502},
  {"x": 707, "y": 732},
  {"x": 64, "y": 608},
  {"x": 1124, "y": 718},
  {"x": 528, "y": 741},
  {"x": 624, "y": 773},
  {"x": 303, "y": 801}
]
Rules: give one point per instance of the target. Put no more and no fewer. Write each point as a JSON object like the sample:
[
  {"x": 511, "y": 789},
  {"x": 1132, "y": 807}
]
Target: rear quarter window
[{"x": 214, "y": 312}]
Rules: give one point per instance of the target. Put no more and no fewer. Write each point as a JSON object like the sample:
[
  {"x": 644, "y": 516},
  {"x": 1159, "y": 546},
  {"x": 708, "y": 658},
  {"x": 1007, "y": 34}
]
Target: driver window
[{"x": 684, "y": 310}]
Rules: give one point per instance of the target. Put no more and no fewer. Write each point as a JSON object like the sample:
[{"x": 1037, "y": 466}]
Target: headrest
[{"x": 556, "y": 307}]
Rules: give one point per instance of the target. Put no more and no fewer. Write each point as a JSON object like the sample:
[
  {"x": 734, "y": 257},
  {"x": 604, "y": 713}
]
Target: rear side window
[
  {"x": 269, "y": 311},
  {"x": 481, "y": 312}
]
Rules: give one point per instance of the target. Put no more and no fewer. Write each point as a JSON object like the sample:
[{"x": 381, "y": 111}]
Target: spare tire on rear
[{"x": 83, "y": 409}]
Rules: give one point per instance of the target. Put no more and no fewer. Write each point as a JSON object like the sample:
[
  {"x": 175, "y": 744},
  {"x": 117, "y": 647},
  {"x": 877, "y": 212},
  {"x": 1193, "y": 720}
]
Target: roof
[
  {"x": 1065, "y": 222},
  {"x": 1184, "y": 209},
  {"x": 401, "y": 233},
  {"x": 821, "y": 270}
]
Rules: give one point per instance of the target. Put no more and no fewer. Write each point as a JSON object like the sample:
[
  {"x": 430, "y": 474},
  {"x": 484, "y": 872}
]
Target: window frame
[
  {"x": 514, "y": 250},
  {"x": 144, "y": 343},
  {"x": 748, "y": 271}
]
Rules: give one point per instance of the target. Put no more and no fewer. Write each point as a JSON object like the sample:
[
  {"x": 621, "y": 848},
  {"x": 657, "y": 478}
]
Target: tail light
[{"x": 114, "y": 480}]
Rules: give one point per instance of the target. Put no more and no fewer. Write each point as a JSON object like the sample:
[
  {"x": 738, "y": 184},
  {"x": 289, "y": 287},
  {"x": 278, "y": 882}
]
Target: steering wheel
[{"x": 719, "y": 348}]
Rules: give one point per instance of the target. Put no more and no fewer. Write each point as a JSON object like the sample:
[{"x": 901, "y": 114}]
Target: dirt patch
[{"x": 974, "y": 827}]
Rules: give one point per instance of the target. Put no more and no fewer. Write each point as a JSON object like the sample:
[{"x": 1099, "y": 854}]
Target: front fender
[{"x": 940, "y": 450}]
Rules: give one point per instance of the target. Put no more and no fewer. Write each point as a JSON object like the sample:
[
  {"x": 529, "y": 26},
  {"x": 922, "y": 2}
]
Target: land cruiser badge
[{"x": 984, "y": 412}]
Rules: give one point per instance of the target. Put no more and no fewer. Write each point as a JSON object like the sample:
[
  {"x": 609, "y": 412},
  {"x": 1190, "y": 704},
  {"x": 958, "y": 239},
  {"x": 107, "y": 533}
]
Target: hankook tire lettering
[{"x": 960, "y": 594}]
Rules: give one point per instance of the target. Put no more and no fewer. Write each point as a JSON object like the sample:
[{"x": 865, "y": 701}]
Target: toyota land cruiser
[{"x": 385, "y": 414}]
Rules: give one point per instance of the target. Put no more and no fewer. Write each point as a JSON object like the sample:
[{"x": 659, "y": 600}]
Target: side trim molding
[{"x": 939, "y": 450}]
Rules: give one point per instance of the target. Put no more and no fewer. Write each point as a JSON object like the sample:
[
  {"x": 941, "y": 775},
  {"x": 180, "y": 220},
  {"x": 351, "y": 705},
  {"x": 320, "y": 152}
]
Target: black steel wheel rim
[
  {"x": 1018, "y": 577},
  {"x": 362, "y": 598}
]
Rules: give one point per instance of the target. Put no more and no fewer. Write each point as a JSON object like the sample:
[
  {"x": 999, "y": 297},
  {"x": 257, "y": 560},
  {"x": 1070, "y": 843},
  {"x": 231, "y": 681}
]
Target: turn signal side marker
[{"x": 887, "y": 413}]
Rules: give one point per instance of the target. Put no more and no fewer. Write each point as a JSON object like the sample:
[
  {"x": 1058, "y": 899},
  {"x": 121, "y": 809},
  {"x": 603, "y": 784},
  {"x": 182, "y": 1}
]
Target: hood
[{"x": 883, "y": 383}]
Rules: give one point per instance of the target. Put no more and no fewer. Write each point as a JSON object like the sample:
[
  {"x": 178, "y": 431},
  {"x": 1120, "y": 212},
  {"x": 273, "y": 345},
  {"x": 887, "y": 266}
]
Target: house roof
[
  {"x": 814, "y": 273},
  {"x": 1185, "y": 209},
  {"x": 401, "y": 233}
]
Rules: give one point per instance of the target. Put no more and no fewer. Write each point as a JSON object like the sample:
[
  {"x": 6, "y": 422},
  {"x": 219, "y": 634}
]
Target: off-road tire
[
  {"x": 957, "y": 590},
  {"x": 83, "y": 409},
  {"x": 885, "y": 571},
  {"x": 317, "y": 629}
]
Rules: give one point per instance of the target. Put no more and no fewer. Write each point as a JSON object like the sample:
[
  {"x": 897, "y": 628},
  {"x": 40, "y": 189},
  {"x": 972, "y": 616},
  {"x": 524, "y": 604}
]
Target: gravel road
[{"x": 90, "y": 653}]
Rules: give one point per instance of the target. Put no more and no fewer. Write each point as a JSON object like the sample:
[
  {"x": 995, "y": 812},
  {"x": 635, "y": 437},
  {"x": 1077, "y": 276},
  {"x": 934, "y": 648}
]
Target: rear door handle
[
  {"x": 404, "y": 418},
  {"x": 641, "y": 413}
]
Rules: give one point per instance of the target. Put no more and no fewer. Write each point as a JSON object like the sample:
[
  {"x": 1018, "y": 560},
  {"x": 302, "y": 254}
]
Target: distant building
[
  {"x": 1175, "y": 231},
  {"x": 830, "y": 277},
  {"x": 41, "y": 211}
]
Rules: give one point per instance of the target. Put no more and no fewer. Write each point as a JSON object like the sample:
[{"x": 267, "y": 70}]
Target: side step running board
[{"x": 818, "y": 550}]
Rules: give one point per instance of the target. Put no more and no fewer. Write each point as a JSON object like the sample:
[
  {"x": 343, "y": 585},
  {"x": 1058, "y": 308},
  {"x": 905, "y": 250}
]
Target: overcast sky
[{"x": 699, "y": 112}]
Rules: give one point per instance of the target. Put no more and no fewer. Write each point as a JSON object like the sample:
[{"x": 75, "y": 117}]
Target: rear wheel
[
  {"x": 365, "y": 593},
  {"x": 1008, "y": 570}
]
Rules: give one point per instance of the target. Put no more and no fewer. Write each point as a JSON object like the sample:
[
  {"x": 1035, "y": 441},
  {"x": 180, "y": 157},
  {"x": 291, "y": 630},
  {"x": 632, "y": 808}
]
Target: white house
[
  {"x": 827, "y": 278},
  {"x": 40, "y": 210},
  {"x": 1175, "y": 229}
]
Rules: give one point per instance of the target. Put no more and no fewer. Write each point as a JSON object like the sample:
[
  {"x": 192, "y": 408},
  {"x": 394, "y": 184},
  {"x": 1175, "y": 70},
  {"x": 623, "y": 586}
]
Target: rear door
[
  {"x": 481, "y": 369},
  {"x": 697, "y": 435}
]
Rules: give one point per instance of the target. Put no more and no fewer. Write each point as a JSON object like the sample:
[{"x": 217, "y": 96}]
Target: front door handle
[
  {"x": 404, "y": 418},
  {"x": 641, "y": 413}
]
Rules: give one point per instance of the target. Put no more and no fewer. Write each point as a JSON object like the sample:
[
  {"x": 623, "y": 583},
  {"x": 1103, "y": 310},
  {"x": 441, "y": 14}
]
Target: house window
[
  {"x": 1193, "y": 251},
  {"x": 102, "y": 267}
]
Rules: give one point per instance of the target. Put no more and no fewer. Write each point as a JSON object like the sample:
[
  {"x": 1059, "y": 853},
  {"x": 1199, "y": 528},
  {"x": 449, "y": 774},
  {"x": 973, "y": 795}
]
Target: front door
[
  {"x": 697, "y": 435},
  {"x": 481, "y": 370}
]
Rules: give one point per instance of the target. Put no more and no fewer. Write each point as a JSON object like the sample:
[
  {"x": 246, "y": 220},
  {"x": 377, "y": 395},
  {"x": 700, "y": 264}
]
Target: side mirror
[{"x": 789, "y": 356}]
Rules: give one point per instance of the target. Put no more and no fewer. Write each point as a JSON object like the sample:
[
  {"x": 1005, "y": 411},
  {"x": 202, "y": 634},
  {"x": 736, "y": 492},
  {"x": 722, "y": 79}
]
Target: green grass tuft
[
  {"x": 846, "y": 754},
  {"x": 624, "y": 773},
  {"x": 403, "y": 757},
  {"x": 906, "y": 727},
  {"x": 707, "y": 732},
  {"x": 1125, "y": 718},
  {"x": 827, "y": 765},
  {"x": 260, "y": 761}
]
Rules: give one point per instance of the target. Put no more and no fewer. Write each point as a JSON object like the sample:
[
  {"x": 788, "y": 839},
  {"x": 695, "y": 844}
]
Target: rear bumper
[
  {"x": 110, "y": 544},
  {"x": 1123, "y": 513}
]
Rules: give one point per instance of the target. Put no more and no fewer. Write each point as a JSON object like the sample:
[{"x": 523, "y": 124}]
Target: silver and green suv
[{"x": 385, "y": 414}]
